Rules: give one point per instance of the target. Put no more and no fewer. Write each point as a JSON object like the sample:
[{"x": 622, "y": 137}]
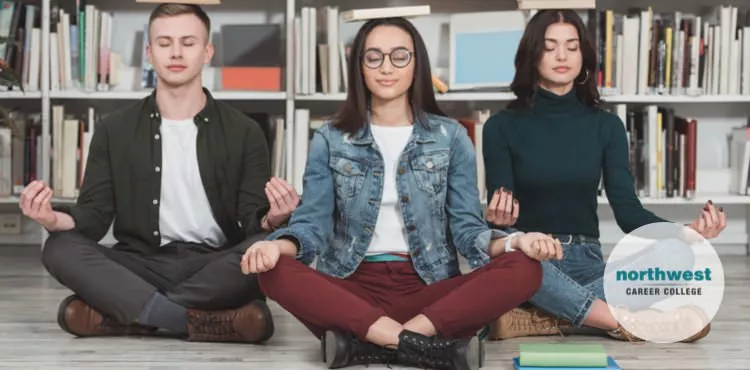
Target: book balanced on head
[{"x": 396, "y": 11}]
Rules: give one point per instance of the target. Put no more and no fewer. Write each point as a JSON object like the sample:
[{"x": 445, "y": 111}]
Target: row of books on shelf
[
  {"x": 648, "y": 52},
  {"x": 639, "y": 52},
  {"x": 20, "y": 25},
  {"x": 662, "y": 149},
  {"x": 82, "y": 56},
  {"x": 20, "y": 149}
]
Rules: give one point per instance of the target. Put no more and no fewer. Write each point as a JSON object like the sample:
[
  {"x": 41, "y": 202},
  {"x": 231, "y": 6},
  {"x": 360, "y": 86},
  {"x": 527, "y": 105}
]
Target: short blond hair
[{"x": 173, "y": 9}]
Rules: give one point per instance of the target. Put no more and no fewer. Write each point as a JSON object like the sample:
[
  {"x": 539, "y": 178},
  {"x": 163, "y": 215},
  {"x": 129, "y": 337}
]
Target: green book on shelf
[{"x": 562, "y": 355}]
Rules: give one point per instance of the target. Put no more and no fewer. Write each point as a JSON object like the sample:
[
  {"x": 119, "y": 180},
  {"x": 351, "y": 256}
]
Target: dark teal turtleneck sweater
[{"x": 551, "y": 157}]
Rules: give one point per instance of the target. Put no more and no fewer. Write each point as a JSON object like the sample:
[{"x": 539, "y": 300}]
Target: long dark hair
[
  {"x": 353, "y": 114},
  {"x": 530, "y": 51}
]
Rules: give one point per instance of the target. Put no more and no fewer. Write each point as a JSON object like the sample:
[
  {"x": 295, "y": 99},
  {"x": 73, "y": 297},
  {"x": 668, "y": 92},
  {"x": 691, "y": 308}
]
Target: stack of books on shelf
[
  {"x": 21, "y": 24},
  {"x": 647, "y": 52},
  {"x": 563, "y": 357},
  {"x": 662, "y": 151},
  {"x": 321, "y": 54},
  {"x": 20, "y": 150},
  {"x": 81, "y": 55},
  {"x": 70, "y": 141}
]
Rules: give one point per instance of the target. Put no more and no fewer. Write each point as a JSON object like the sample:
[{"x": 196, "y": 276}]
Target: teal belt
[{"x": 385, "y": 258}]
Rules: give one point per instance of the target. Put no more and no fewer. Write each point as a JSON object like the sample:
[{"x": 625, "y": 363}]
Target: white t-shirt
[
  {"x": 184, "y": 213},
  {"x": 389, "y": 235}
]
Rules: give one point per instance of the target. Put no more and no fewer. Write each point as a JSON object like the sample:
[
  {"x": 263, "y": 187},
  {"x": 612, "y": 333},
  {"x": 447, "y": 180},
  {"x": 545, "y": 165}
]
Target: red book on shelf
[
  {"x": 470, "y": 124},
  {"x": 691, "y": 137}
]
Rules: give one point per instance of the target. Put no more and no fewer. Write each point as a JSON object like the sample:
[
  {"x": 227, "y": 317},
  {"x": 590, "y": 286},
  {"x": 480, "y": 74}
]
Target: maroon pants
[{"x": 457, "y": 307}]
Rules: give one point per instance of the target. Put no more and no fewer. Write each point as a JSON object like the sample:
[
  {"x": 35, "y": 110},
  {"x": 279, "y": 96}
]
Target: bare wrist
[
  {"x": 287, "y": 247},
  {"x": 265, "y": 224},
  {"x": 51, "y": 225}
]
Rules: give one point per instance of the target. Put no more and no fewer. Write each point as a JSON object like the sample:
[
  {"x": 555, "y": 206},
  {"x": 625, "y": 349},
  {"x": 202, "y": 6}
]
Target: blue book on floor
[{"x": 611, "y": 365}]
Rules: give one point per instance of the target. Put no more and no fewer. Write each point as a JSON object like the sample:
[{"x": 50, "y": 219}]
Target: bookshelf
[{"x": 717, "y": 113}]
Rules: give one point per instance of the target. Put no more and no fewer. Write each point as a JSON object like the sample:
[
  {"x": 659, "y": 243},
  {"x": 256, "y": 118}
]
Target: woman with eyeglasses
[
  {"x": 390, "y": 196},
  {"x": 545, "y": 154}
]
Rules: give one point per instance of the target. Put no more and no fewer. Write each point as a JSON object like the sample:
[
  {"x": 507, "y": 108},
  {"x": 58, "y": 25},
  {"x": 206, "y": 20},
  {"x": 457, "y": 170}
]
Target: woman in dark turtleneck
[{"x": 546, "y": 154}]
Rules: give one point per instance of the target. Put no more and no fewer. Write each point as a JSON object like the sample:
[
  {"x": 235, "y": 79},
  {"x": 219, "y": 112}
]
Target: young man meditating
[{"x": 186, "y": 180}]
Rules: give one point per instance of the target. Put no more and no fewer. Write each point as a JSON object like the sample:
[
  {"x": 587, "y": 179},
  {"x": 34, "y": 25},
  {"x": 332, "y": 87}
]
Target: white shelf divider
[
  {"x": 509, "y": 96},
  {"x": 135, "y": 95},
  {"x": 720, "y": 199},
  {"x": 15, "y": 94}
]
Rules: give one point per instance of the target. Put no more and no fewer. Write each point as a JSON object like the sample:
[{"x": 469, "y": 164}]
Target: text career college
[{"x": 668, "y": 276}]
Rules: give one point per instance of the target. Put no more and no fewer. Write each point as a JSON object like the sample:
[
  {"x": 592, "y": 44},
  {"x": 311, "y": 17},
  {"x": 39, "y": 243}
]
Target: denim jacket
[{"x": 437, "y": 185}]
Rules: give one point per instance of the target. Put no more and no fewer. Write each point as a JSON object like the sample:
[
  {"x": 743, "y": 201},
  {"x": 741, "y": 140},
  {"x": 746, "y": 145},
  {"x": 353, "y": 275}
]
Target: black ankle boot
[
  {"x": 341, "y": 350},
  {"x": 430, "y": 352}
]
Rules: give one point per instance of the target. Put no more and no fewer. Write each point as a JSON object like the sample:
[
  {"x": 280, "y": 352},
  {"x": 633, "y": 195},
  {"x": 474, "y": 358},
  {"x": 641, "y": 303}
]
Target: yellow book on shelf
[
  {"x": 668, "y": 62},
  {"x": 659, "y": 156},
  {"x": 608, "y": 65}
]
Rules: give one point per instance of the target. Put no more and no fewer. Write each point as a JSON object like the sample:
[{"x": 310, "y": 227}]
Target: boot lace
[
  {"x": 215, "y": 325},
  {"x": 366, "y": 353},
  {"x": 440, "y": 353},
  {"x": 547, "y": 322},
  {"x": 430, "y": 353}
]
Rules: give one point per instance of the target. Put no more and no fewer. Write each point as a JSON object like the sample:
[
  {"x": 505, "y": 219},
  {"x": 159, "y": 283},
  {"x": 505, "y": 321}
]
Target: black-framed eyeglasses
[{"x": 400, "y": 57}]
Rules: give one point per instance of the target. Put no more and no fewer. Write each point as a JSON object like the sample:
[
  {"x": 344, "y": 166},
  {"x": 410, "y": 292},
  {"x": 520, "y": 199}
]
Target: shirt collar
[{"x": 208, "y": 114}]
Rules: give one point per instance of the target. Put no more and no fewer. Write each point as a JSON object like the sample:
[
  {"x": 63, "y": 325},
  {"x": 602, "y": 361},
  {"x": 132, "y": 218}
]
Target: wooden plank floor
[{"x": 30, "y": 337}]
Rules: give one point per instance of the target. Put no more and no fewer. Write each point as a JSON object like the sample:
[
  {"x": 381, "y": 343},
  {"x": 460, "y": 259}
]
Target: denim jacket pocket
[
  {"x": 431, "y": 170},
  {"x": 348, "y": 175}
]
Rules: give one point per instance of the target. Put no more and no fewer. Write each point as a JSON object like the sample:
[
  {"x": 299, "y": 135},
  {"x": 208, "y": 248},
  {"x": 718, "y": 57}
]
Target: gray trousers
[{"x": 119, "y": 283}]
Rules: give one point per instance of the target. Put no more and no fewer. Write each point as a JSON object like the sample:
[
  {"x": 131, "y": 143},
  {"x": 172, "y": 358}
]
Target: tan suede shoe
[{"x": 521, "y": 322}]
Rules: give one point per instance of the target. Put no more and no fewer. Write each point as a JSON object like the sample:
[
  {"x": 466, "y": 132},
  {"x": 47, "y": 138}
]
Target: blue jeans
[{"x": 571, "y": 285}]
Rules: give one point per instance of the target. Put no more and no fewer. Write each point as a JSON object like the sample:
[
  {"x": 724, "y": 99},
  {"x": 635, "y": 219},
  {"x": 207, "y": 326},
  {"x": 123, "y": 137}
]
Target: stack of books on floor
[{"x": 563, "y": 357}]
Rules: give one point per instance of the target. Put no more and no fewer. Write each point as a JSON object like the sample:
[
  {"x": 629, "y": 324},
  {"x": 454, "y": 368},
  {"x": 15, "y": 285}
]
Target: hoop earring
[{"x": 585, "y": 79}]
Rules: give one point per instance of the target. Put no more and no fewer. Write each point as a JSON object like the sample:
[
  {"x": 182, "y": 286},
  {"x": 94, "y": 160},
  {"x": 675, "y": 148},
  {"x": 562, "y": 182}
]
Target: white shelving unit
[{"x": 241, "y": 11}]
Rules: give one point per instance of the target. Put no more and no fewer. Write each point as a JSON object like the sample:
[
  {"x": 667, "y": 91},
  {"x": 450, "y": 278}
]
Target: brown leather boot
[
  {"x": 78, "y": 318},
  {"x": 251, "y": 323},
  {"x": 521, "y": 322}
]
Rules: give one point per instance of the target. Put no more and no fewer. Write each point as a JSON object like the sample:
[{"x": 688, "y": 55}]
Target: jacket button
[
  {"x": 155, "y": 201},
  {"x": 157, "y": 169},
  {"x": 405, "y": 199},
  {"x": 411, "y": 227},
  {"x": 157, "y": 136},
  {"x": 156, "y": 233}
]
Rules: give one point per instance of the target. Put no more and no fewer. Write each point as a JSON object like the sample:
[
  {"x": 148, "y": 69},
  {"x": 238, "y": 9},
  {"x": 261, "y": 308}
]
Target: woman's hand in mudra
[{"x": 502, "y": 208}]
